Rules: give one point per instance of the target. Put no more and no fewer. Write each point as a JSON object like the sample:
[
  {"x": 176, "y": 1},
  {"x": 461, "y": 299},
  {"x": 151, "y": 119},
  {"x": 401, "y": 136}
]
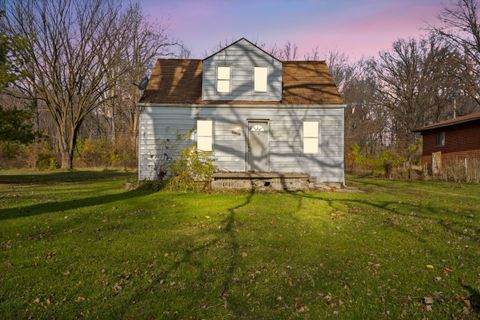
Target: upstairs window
[
  {"x": 260, "y": 79},
  {"x": 223, "y": 79},
  {"x": 310, "y": 137},
  {"x": 441, "y": 139},
  {"x": 204, "y": 135}
]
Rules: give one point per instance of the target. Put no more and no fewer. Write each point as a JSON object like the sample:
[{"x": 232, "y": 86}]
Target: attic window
[
  {"x": 441, "y": 139},
  {"x": 310, "y": 137},
  {"x": 223, "y": 79},
  {"x": 260, "y": 76}
]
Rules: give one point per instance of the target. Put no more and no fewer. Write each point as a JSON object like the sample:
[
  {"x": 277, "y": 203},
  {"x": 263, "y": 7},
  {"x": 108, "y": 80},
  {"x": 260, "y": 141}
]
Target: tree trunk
[
  {"x": 66, "y": 144},
  {"x": 113, "y": 127},
  {"x": 67, "y": 159}
]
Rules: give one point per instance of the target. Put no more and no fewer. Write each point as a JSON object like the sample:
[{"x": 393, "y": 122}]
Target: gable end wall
[{"x": 242, "y": 57}]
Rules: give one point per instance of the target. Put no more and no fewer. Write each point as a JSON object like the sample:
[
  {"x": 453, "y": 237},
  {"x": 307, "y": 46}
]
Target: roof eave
[{"x": 439, "y": 126}]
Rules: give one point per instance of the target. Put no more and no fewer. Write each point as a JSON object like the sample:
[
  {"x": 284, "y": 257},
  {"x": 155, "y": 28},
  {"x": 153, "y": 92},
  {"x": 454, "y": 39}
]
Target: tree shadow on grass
[
  {"x": 63, "y": 176},
  {"x": 419, "y": 212},
  {"x": 59, "y": 206},
  {"x": 474, "y": 298},
  {"x": 227, "y": 234}
]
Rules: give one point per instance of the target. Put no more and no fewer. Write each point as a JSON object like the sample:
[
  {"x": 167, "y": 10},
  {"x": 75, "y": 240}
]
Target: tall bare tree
[
  {"x": 149, "y": 41},
  {"x": 72, "y": 47},
  {"x": 460, "y": 27},
  {"x": 417, "y": 83}
]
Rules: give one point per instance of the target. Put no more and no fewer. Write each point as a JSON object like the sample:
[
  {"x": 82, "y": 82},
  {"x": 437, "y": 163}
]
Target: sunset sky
[{"x": 356, "y": 27}]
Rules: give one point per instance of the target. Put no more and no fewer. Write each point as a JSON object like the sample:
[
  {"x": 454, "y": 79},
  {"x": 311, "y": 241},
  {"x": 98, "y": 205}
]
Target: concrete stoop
[{"x": 264, "y": 181}]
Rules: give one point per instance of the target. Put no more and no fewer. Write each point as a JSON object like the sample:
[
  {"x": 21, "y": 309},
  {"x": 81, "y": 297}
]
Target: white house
[{"x": 254, "y": 113}]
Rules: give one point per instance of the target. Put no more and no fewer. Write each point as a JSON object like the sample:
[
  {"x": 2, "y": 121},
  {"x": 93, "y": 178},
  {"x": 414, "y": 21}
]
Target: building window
[
  {"x": 260, "y": 79},
  {"x": 310, "y": 137},
  {"x": 204, "y": 135},
  {"x": 441, "y": 139},
  {"x": 223, "y": 79}
]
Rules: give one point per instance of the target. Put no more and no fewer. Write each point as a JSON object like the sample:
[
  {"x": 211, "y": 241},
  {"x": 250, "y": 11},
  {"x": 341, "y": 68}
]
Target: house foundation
[{"x": 262, "y": 181}]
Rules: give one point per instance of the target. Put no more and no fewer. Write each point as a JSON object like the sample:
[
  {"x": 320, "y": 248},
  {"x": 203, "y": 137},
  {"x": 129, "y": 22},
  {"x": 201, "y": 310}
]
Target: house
[
  {"x": 251, "y": 111},
  {"x": 451, "y": 140}
]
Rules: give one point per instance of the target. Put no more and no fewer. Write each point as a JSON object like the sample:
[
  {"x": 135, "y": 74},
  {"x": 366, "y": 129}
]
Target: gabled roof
[
  {"x": 451, "y": 122},
  {"x": 235, "y": 42},
  {"x": 179, "y": 81}
]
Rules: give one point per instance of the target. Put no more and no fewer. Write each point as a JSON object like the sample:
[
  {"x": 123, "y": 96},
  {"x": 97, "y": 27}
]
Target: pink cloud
[{"x": 367, "y": 35}]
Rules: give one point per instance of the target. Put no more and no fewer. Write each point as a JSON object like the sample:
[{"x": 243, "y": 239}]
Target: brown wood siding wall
[{"x": 462, "y": 140}]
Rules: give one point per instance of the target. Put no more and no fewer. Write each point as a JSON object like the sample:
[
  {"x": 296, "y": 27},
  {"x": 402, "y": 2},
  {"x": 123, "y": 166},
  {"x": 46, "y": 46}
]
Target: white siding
[
  {"x": 157, "y": 124},
  {"x": 242, "y": 58}
]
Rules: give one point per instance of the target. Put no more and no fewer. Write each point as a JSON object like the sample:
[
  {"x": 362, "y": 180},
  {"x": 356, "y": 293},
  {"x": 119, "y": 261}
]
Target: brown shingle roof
[
  {"x": 462, "y": 119},
  {"x": 180, "y": 81}
]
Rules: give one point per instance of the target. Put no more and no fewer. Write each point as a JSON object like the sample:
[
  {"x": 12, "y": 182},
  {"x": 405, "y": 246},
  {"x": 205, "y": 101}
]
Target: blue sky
[{"x": 358, "y": 28}]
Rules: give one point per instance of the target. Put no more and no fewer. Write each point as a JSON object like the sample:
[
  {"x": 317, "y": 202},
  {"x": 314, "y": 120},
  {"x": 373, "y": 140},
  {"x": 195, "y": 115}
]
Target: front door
[{"x": 257, "y": 153}]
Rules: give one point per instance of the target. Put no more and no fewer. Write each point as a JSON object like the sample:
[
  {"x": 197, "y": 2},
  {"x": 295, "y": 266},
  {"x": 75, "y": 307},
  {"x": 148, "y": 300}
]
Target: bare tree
[
  {"x": 288, "y": 52},
  {"x": 75, "y": 51},
  {"x": 147, "y": 42},
  {"x": 417, "y": 83},
  {"x": 461, "y": 28}
]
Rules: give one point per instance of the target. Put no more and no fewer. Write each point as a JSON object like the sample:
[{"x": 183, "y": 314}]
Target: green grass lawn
[{"x": 76, "y": 245}]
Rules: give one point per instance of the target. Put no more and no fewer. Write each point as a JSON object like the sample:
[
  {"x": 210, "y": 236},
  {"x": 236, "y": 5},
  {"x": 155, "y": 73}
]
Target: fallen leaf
[
  {"x": 37, "y": 300},
  {"x": 428, "y": 300},
  {"x": 301, "y": 308},
  {"x": 467, "y": 301}
]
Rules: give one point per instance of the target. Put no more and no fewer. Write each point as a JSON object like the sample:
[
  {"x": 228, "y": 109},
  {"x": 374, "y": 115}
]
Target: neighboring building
[
  {"x": 454, "y": 139},
  {"x": 253, "y": 112}
]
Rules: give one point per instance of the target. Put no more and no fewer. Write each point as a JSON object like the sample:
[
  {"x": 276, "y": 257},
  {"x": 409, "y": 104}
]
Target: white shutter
[
  {"x": 310, "y": 137},
  {"x": 204, "y": 135},
  {"x": 260, "y": 79}
]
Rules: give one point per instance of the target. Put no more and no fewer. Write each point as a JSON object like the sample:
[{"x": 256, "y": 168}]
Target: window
[
  {"x": 310, "y": 137},
  {"x": 223, "y": 79},
  {"x": 204, "y": 135},
  {"x": 441, "y": 139},
  {"x": 260, "y": 77}
]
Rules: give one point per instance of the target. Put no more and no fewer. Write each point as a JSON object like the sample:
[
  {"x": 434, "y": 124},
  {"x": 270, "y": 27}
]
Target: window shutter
[
  {"x": 310, "y": 137},
  {"x": 204, "y": 135}
]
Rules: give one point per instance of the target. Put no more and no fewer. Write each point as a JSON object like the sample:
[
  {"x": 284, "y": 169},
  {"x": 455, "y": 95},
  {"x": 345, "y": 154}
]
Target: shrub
[
  {"x": 12, "y": 154},
  {"x": 40, "y": 155},
  {"x": 92, "y": 153},
  {"x": 192, "y": 171},
  {"x": 102, "y": 153},
  {"x": 384, "y": 162}
]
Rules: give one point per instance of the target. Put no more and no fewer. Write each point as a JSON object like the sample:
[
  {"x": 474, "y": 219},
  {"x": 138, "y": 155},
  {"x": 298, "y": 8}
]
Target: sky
[{"x": 355, "y": 27}]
